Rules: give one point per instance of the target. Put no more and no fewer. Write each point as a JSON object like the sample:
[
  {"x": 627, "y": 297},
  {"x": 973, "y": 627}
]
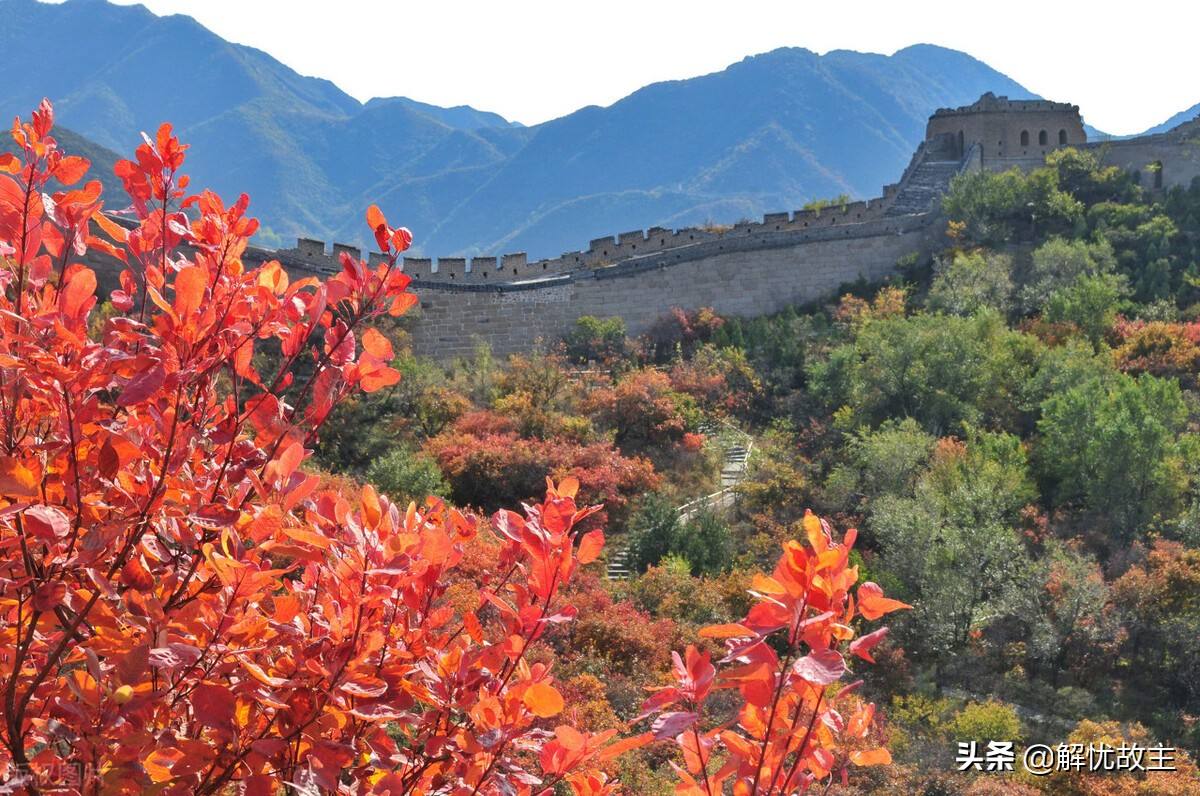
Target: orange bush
[
  {"x": 785, "y": 659},
  {"x": 182, "y": 608},
  {"x": 185, "y": 610}
]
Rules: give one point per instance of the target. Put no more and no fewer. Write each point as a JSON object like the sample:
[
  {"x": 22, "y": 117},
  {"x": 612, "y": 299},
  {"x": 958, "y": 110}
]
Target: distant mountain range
[
  {"x": 771, "y": 132},
  {"x": 1176, "y": 120}
]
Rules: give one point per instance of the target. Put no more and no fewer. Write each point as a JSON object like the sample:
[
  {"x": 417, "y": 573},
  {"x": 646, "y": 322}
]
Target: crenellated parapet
[
  {"x": 746, "y": 268},
  {"x": 849, "y": 219},
  {"x": 602, "y": 252}
]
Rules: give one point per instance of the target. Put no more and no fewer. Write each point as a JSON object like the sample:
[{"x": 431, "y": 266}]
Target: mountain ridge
[{"x": 769, "y": 132}]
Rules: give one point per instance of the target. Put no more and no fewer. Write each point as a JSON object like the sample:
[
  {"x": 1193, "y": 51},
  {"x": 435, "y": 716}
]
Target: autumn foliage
[
  {"x": 785, "y": 659},
  {"x": 185, "y": 609}
]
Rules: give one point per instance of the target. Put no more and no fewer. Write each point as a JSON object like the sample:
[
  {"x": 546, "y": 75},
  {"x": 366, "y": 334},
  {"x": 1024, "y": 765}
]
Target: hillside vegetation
[{"x": 1011, "y": 425}]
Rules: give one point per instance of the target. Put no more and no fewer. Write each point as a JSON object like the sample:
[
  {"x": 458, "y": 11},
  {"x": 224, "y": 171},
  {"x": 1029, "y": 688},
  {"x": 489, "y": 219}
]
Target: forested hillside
[
  {"x": 250, "y": 543},
  {"x": 1011, "y": 426}
]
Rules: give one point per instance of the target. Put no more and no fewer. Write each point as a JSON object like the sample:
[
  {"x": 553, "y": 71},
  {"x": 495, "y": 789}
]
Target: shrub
[
  {"x": 986, "y": 721},
  {"x": 404, "y": 475},
  {"x": 186, "y": 610},
  {"x": 594, "y": 339},
  {"x": 970, "y": 281}
]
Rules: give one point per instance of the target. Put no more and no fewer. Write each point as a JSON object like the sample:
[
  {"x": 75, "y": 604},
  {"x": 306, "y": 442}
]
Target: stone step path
[
  {"x": 618, "y": 564},
  {"x": 928, "y": 183},
  {"x": 733, "y": 470}
]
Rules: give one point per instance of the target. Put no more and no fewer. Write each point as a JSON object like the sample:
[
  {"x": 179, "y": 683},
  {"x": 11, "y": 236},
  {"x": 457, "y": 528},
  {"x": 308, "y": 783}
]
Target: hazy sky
[{"x": 533, "y": 61}]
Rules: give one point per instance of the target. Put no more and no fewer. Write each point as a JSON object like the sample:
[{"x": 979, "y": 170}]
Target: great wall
[{"x": 749, "y": 268}]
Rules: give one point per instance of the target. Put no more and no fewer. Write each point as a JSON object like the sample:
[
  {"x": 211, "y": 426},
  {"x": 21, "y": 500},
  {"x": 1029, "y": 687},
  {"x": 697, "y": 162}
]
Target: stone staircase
[
  {"x": 618, "y": 564},
  {"x": 733, "y": 470},
  {"x": 927, "y": 184}
]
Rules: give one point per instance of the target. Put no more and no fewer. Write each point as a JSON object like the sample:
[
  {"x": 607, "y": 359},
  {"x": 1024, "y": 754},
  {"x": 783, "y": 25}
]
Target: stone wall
[
  {"x": 749, "y": 268},
  {"x": 602, "y": 252},
  {"x": 1160, "y": 161},
  {"x": 736, "y": 275},
  {"x": 1009, "y": 129}
]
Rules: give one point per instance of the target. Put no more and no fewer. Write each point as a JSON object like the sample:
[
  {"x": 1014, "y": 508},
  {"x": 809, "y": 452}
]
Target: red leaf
[
  {"x": 109, "y": 460},
  {"x": 377, "y": 345},
  {"x": 71, "y": 169},
  {"x": 213, "y": 705},
  {"x": 543, "y": 700},
  {"x": 375, "y": 217},
  {"x": 590, "y": 547},
  {"x": 820, "y": 667},
  {"x": 872, "y": 604},
  {"x": 190, "y": 285},
  {"x": 78, "y": 292},
  {"x": 401, "y": 239},
  {"x": 16, "y": 480},
  {"x": 49, "y": 595},
  {"x": 668, "y": 725},
  {"x": 873, "y": 757},
  {"x": 142, "y": 386},
  {"x": 47, "y": 522},
  {"x": 402, "y": 304},
  {"x": 862, "y": 646},
  {"x": 378, "y": 379}
]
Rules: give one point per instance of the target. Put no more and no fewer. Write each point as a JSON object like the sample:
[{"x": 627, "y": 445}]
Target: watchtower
[{"x": 1009, "y": 132}]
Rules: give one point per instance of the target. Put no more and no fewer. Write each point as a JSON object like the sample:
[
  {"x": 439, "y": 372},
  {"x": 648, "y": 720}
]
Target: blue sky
[{"x": 536, "y": 60}]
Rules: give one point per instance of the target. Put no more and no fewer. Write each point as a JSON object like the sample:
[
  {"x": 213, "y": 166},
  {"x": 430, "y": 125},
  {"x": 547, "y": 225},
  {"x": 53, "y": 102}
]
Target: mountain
[
  {"x": 461, "y": 117},
  {"x": 768, "y": 133},
  {"x": 1176, "y": 120},
  {"x": 771, "y": 132},
  {"x": 300, "y": 146}
]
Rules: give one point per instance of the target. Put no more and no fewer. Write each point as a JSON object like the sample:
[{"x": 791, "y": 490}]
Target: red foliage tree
[
  {"x": 488, "y": 464},
  {"x": 786, "y": 660},
  {"x": 642, "y": 409},
  {"x": 181, "y": 609},
  {"x": 184, "y": 610},
  {"x": 1158, "y": 347}
]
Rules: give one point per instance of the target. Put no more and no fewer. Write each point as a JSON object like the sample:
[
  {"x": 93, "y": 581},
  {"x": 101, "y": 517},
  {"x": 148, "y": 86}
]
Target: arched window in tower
[
  {"x": 1062, "y": 137},
  {"x": 1024, "y": 138},
  {"x": 961, "y": 141},
  {"x": 1043, "y": 139}
]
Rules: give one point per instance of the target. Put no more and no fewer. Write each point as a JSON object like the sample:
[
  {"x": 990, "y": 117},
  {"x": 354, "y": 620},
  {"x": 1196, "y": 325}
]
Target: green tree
[
  {"x": 1000, "y": 208},
  {"x": 596, "y": 340},
  {"x": 1114, "y": 447},
  {"x": 705, "y": 541},
  {"x": 1090, "y": 303},
  {"x": 883, "y": 461},
  {"x": 986, "y": 721},
  {"x": 654, "y": 527},
  {"x": 939, "y": 370},
  {"x": 970, "y": 281},
  {"x": 1081, "y": 175},
  {"x": 1077, "y": 630},
  {"x": 951, "y": 543},
  {"x": 1057, "y": 264},
  {"x": 405, "y": 475}
]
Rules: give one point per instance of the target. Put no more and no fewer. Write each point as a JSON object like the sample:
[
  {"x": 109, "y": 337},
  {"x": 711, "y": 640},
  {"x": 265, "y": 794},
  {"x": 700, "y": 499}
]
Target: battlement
[
  {"x": 1007, "y": 132},
  {"x": 746, "y": 268},
  {"x": 990, "y": 103},
  {"x": 602, "y": 252},
  {"x": 516, "y": 267}
]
